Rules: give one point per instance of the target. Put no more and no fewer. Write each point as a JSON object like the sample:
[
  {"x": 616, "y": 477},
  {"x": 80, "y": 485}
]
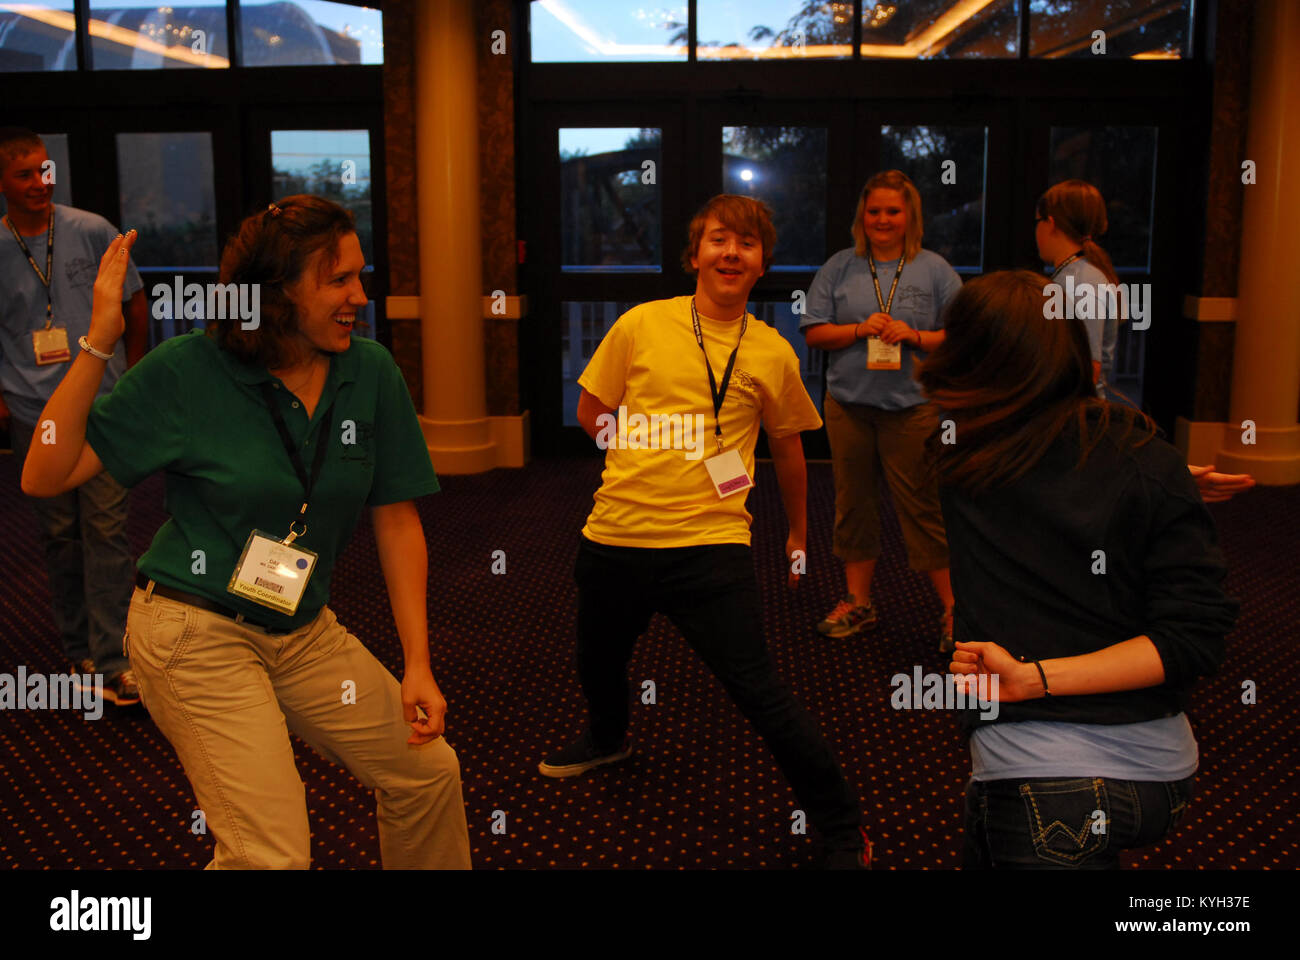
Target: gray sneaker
[{"x": 847, "y": 619}]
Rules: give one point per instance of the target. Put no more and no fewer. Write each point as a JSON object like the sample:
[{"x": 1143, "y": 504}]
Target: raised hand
[{"x": 106, "y": 322}]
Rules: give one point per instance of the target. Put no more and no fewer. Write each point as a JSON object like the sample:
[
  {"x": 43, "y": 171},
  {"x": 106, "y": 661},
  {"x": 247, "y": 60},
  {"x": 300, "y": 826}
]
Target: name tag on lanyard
[
  {"x": 728, "y": 473},
  {"x": 881, "y": 355},
  {"x": 271, "y": 571}
]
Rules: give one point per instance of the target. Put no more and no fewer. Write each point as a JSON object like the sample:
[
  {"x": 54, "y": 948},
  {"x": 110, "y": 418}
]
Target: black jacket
[{"x": 1023, "y": 561}]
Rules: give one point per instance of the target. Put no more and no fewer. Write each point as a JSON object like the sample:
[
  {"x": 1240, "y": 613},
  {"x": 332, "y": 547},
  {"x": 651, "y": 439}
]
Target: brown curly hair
[{"x": 271, "y": 249}]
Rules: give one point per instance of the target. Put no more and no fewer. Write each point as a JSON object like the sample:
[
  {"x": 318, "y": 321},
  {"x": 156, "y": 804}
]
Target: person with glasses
[{"x": 877, "y": 308}]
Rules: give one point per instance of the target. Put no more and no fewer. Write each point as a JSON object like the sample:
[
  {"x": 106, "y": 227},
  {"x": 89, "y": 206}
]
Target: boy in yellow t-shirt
[{"x": 675, "y": 394}]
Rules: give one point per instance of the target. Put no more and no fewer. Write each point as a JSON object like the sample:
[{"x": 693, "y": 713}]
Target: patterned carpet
[{"x": 701, "y": 790}]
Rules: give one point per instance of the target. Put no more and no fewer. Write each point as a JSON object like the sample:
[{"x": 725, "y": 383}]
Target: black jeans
[
  {"x": 1067, "y": 824},
  {"x": 711, "y": 595}
]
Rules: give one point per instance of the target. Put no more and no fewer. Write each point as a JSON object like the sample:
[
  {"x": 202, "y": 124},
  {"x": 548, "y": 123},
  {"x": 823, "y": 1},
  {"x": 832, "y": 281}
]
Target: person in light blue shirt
[
  {"x": 1069, "y": 217},
  {"x": 88, "y": 557},
  {"x": 875, "y": 308}
]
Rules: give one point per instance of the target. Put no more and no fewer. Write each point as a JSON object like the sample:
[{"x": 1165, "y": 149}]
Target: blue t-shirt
[
  {"x": 842, "y": 292},
  {"x": 1102, "y": 323},
  {"x": 1159, "y": 750},
  {"x": 80, "y": 239}
]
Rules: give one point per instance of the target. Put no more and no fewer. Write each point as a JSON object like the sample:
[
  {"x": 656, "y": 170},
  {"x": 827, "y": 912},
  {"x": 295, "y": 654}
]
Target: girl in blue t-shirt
[{"x": 875, "y": 308}]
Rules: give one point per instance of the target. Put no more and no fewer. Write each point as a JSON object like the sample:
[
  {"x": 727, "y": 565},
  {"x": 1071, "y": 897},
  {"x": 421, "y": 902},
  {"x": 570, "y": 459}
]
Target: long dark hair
[
  {"x": 1012, "y": 381},
  {"x": 271, "y": 248}
]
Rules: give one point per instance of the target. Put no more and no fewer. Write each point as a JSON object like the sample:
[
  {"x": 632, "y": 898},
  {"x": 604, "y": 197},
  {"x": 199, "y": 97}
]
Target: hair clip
[{"x": 274, "y": 211}]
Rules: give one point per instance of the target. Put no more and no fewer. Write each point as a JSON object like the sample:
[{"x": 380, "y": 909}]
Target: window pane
[
  {"x": 750, "y": 29},
  {"x": 610, "y": 216},
  {"x": 570, "y": 31},
  {"x": 1137, "y": 29},
  {"x": 786, "y": 168},
  {"x": 583, "y": 324},
  {"x": 952, "y": 193},
  {"x": 56, "y": 148},
  {"x": 1121, "y": 163},
  {"x": 334, "y": 164},
  {"x": 940, "y": 29},
  {"x": 166, "y": 193},
  {"x": 39, "y": 35},
  {"x": 308, "y": 32},
  {"x": 780, "y": 314},
  {"x": 147, "y": 35}
]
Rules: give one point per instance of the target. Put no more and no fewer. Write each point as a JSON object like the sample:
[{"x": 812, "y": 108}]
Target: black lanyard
[
  {"x": 884, "y": 304},
  {"x": 322, "y": 442},
  {"x": 718, "y": 395},
  {"x": 1077, "y": 255},
  {"x": 48, "y": 275}
]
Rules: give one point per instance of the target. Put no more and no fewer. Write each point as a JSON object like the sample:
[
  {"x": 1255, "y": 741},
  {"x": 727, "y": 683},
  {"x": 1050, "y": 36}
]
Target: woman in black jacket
[{"x": 1088, "y": 587}]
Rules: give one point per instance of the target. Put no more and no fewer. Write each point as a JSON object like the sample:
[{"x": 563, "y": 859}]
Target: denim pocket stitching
[{"x": 1089, "y": 843}]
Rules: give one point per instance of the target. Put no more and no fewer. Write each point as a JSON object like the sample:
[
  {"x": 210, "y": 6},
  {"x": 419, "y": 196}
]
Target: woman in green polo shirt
[{"x": 274, "y": 427}]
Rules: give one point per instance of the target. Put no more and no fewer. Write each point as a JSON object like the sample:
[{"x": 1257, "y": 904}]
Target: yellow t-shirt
[{"x": 655, "y": 490}]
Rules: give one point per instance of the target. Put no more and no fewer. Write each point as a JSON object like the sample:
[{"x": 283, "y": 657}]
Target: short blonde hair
[{"x": 891, "y": 180}]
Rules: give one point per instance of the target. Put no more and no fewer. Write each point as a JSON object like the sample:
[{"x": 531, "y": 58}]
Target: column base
[
  {"x": 458, "y": 447},
  {"x": 1273, "y": 459}
]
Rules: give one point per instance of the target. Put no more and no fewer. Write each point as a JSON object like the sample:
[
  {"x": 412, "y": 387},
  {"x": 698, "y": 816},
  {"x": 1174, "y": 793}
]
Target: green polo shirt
[{"x": 193, "y": 410}]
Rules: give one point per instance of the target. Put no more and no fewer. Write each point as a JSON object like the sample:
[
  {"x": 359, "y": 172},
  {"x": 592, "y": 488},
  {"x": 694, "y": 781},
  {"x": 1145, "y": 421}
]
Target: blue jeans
[
  {"x": 1067, "y": 824},
  {"x": 89, "y": 561},
  {"x": 711, "y": 595}
]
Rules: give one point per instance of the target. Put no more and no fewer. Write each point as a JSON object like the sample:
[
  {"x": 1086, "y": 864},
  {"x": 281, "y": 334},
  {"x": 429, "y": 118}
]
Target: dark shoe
[
  {"x": 850, "y": 858},
  {"x": 847, "y": 619},
  {"x": 122, "y": 689},
  {"x": 579, "y": 757}
]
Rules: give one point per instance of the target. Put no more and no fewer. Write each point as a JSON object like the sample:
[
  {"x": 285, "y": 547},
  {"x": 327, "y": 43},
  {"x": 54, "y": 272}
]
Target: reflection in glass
[
  {"x": 1121, "y": 163},
  {"x": 308, "y": 32},
  {"x": 952, "y": 195},
  {"x": 166, "y": 193},
  {"x": 780, "y": 314},
  {"x": 610, "y": 217},
  {"x": 940, "y": 29},
  {"x": 37, "y": 35},
  {"x": 583, "y": 324},
  {"x": 573, "y": 31},
  {"x": 786, "y": 168},
  {"x": 1137, "y": 29},
  {"x": 148, "y": 35},
  {"x": 778, "y": 29},
  {"x": 334, "y": 164}
]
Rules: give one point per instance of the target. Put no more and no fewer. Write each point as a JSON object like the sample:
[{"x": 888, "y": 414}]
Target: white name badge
[
  {"x": 272, "y": 573},
  {"x": 728, "y": 473},
  {"x": 884, "y": 356},
  {"x": 51, "y": 346}
]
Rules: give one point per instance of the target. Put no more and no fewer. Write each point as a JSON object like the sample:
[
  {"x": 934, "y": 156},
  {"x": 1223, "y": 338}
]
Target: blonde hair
[{"x": 891, "y": 180}]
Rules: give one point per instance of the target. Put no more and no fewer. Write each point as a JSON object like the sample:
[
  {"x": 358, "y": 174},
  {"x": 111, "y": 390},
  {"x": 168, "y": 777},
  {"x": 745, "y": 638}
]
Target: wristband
[
  {"x": 1043, "y": 677},
  {"x": 85, "y": 345}
]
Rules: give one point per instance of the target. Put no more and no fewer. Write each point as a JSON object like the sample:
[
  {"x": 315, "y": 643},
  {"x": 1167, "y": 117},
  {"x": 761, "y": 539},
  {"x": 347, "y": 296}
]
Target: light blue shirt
[
  {"x": 1103, "y": 326},
  {"x": 1156, "y": 750},
  {"x": 842, "y": 292},
  {"x": 80, "y": 239}
]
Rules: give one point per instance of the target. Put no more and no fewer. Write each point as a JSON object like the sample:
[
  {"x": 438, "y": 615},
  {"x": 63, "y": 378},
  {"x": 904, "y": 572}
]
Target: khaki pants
[
  {"x": 864, "y": 441},
  {"x": 227, "y": 695}
]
